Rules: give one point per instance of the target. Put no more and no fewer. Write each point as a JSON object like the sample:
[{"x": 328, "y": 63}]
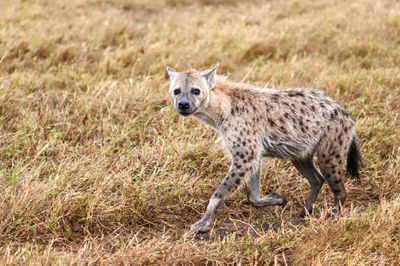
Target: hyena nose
[{"x": 183, "y": 105}]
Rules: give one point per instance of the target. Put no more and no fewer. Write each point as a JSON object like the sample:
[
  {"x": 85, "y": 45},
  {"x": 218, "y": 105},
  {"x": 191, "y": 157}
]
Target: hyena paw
[
  {"x": 280, "y": 200},
  {"x": 201, "y": 226}
]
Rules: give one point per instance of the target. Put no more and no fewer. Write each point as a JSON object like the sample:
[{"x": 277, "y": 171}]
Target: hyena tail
[{"x": 353, "y": 158}]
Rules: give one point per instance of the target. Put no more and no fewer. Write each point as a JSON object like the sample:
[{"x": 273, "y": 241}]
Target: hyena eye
[
  {"x": 196, "y": 91},
  {"x": 177, "y": 91}
]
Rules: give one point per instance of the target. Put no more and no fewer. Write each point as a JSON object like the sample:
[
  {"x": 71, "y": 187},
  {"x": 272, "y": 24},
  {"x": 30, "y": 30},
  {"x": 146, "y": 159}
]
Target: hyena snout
[{"x": 184, "y": 105}]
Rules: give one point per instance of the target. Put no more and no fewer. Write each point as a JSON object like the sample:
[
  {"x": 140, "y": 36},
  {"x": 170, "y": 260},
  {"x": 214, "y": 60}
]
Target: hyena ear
[
  {"x": 209, "y": 75},
  {"x": 171, "y": 73}
]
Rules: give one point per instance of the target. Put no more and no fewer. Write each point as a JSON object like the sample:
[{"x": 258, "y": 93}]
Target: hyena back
[{"x": 293, "y": 124}]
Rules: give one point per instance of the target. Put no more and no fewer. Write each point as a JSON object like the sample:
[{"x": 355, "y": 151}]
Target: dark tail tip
[{"x": 353, "y": 159}]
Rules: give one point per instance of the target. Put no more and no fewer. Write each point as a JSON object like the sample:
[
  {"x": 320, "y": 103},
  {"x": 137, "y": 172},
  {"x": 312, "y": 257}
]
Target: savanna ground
[{"x": 97, "y": 168}]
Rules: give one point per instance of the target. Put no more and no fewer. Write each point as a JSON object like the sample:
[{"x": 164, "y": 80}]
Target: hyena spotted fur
[{"x": 293, "y": 124}]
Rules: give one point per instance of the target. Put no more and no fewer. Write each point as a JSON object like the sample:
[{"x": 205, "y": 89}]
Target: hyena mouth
[{"x": 185, "y": 112}]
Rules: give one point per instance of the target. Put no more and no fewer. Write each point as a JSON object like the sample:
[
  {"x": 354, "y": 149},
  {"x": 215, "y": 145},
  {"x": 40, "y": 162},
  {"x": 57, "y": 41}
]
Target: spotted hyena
[{"x": 293, "y": 124}]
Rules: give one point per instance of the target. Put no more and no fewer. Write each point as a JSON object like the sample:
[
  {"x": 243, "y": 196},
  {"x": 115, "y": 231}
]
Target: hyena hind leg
[
  {"x": 316, "y": 180},
  {"x": 331, "y": 165},
  {"x": 253, "y": 193}
]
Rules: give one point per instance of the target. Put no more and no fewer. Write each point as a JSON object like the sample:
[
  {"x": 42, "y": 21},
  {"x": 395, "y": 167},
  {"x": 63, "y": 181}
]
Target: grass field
[{"x": 97, "y": 168}]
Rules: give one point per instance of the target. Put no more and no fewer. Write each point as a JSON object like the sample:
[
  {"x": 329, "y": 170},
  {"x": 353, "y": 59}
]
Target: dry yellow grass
[{"x": 96, "y": 167}]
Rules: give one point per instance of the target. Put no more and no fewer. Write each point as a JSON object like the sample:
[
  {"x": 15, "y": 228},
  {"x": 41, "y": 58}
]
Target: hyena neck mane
[{"x": 219, "y": 105}]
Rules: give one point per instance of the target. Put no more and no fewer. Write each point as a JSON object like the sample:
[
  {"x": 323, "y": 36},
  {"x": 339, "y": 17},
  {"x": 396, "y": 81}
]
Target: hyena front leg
[
  {"x": 237, "y": 172},
  {"x": 253, "y": 193}
]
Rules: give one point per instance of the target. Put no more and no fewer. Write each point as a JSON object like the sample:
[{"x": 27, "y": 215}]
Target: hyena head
[{"x": 190, "y": 91}]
